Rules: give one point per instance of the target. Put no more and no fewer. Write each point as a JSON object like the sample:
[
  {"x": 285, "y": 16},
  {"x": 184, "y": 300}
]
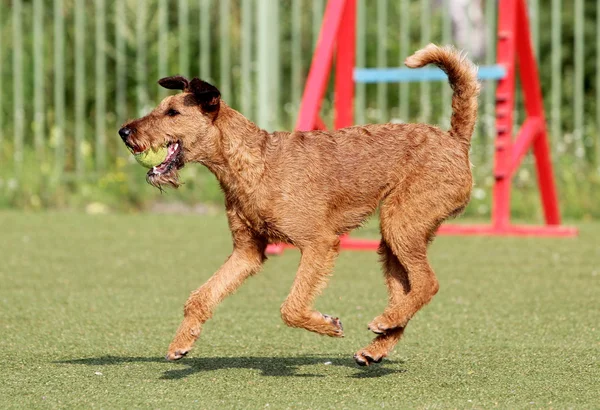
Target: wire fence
[{"x": 74, "y": 70}]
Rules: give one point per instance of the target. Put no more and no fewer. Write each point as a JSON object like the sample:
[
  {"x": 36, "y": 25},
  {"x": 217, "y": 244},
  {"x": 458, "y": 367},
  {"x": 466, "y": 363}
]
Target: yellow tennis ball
[{"x": 151, "y": 158}]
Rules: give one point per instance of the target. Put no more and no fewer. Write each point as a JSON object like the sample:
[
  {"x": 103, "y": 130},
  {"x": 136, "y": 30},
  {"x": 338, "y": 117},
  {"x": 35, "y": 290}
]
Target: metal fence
[{"x": 73, "y": 70}]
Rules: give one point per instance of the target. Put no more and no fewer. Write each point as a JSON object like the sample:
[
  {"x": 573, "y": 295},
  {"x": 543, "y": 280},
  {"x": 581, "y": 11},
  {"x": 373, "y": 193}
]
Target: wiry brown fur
[{"x": 306, "y": 188}]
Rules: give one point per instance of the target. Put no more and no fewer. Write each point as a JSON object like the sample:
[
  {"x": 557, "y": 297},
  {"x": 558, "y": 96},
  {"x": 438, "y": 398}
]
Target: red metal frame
[
  {"x": 338, "y": 34},
  {"x": 316, "y": 83}
]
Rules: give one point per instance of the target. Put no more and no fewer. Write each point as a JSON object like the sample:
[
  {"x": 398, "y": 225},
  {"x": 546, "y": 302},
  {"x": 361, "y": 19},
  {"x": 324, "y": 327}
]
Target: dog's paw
[
  {"x": 336, "y": 328},
  {"x": 184, "y": 340},
  {"x": 177, "y": 350},
  {"x": 365, "y": 358},
  {"x": 176, "y": 355},
  {"x": 382, "y": 324}
]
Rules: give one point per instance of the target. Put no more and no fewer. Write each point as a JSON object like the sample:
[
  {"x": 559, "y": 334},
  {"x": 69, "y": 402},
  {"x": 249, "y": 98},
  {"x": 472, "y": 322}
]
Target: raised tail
[{"x": 462, "y": 75}]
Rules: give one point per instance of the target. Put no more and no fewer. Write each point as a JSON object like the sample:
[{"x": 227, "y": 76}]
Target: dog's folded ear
[
  {"x": 207, "y": 95},
  {"x": 175, "y": 83}
]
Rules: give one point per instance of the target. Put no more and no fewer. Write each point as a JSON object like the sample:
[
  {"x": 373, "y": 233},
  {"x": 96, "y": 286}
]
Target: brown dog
[{"x": 307, "y": 188}]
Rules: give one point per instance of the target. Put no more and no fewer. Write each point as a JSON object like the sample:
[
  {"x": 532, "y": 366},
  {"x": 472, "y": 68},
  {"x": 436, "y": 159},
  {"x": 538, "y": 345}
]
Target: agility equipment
[{"x": 338, "y": 38}]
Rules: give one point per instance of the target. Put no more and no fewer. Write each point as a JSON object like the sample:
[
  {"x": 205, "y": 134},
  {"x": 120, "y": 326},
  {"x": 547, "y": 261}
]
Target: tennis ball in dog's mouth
[{"x": 151, "y": 158}]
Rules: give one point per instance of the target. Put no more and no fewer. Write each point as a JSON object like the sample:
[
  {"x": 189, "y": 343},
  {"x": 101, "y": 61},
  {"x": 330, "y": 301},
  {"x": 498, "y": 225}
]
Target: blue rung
[{"x": 407, "y": 75}]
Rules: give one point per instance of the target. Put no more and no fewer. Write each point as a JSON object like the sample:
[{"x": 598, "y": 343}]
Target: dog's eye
[{"x": 172, "y": 112}]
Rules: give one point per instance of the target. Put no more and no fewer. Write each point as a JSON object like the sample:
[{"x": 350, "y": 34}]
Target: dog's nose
[{"x": 124, "y": 133}]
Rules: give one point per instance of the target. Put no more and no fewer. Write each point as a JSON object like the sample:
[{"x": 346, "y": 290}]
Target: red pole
[
  {"x": 344, "y": 67},
  {"x": 530, "y": 130},
  {"x": 534, "y": 105},
  {"x": 505, "y": 102},
  {"x": 316, "y": 83}
]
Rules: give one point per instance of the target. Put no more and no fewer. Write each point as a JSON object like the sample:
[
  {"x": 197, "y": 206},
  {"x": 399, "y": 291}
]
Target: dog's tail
[{"x": 462, "y": 75}]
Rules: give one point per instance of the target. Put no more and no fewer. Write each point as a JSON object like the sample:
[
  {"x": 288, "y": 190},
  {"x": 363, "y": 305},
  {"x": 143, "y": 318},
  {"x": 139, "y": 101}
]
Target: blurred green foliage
[{"x": 122, "y": 185}]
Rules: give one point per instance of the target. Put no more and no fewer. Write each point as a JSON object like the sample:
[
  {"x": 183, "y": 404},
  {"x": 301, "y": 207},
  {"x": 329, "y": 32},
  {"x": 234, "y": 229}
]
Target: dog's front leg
[
  {"x": 315, "y": 266},
  {"x": 246, "y": 259}
]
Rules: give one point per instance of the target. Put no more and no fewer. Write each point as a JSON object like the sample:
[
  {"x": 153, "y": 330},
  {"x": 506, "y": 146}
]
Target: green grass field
[{"x": 89, "y": 305}]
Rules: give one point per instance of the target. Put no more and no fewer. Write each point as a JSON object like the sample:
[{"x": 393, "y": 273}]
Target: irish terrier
[{"x": 307, "y": 188}]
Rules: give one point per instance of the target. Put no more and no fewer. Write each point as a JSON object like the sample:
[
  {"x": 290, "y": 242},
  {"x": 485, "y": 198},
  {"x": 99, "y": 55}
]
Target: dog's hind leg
[
  {"x": 396, "y": 279},
  {"x": 315, "y": 266},
  {"x": 246, "y": 259},
  {"x": 398, "y": 285},
  {"x": 410, "y": 287},
  {"x": 379, "y": 347},
  {"x": 406, "y": 230}
]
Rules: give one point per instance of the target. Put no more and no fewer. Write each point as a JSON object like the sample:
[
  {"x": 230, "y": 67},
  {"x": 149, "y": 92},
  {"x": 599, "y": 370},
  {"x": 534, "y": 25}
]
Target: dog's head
[{"x": 183, "y": 122}]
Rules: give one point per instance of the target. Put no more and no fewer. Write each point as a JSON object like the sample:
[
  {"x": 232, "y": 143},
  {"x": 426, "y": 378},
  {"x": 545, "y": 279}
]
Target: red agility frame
[{"x": 338, "y": 35}]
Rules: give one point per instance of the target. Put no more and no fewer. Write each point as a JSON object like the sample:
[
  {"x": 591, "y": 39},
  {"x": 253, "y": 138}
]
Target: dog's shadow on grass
[{"x": 268, "y": 366}]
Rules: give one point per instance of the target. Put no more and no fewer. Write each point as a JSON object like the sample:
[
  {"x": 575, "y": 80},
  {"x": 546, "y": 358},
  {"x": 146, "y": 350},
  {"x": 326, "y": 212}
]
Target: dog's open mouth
[
  {"x": 166, "y": 172},
  {"x": 173, "y": 151}
]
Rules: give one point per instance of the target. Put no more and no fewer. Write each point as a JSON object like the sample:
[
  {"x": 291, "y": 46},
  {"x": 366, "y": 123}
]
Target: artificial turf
[{"x": 88, "y": 305}]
